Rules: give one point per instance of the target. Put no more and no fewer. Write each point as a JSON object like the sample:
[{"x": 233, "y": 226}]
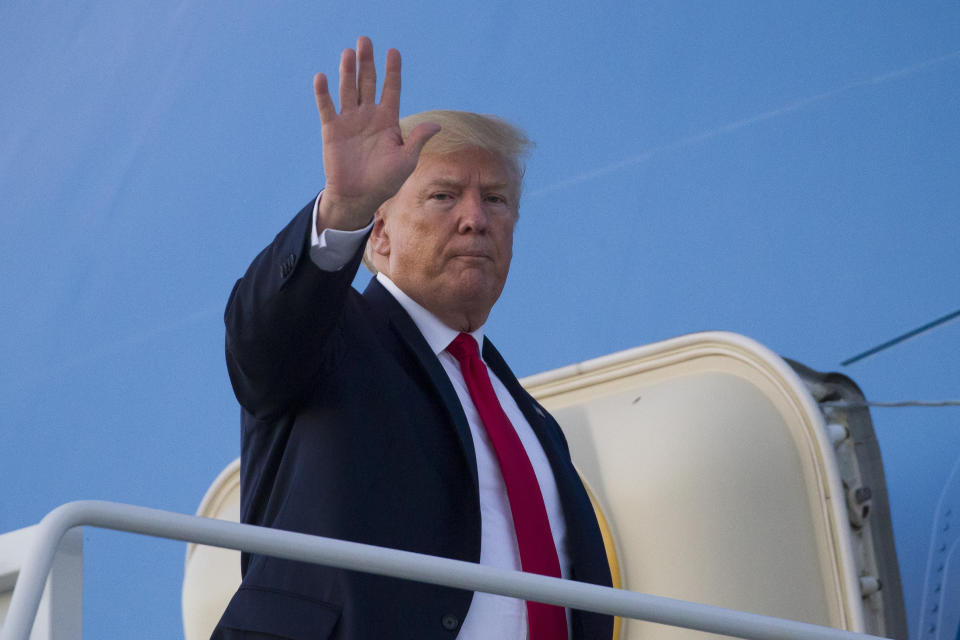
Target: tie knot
[{"x": 463, "y": 347}]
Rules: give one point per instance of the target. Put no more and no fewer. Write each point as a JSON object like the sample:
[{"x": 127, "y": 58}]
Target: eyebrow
[{"x": 454, "y": 182}]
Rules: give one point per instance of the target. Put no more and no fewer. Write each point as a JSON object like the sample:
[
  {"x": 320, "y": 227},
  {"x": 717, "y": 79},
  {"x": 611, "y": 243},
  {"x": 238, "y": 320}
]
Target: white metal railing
[{"x": 388, "y": 562}]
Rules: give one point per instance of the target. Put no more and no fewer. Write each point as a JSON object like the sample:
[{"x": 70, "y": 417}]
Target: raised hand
[{"x": 365, "y": 158}]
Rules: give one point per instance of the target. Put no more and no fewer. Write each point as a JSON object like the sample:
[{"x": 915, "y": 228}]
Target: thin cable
[
  {"x": 899, "y": 339},
  {"x": 844, "y": 404}
]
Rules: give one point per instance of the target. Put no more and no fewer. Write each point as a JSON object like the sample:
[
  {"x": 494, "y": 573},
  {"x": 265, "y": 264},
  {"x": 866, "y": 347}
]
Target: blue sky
[{"x": 785, "y": 171}]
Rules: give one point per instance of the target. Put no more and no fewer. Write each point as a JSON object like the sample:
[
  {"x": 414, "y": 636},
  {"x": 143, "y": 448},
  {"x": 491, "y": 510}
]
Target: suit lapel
[
  {"x": 577, "y": 509},
  {"x": 412, "y": 346},
  {"x": 531, "y": 410}
]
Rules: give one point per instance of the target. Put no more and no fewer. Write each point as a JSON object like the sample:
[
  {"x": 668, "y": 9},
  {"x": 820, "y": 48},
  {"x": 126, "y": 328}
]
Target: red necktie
[{"x": 537, "y": 551}]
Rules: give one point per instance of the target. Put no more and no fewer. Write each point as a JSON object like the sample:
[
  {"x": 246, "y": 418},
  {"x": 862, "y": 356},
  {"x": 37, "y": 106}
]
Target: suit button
[{"x": 450, "y": 622}]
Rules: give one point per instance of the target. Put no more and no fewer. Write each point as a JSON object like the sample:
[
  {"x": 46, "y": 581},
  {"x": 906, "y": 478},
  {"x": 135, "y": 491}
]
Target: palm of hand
[{"x": 365, "y": 157}]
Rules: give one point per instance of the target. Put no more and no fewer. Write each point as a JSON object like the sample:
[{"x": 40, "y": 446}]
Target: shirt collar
[{"x": 435, "y": 332}]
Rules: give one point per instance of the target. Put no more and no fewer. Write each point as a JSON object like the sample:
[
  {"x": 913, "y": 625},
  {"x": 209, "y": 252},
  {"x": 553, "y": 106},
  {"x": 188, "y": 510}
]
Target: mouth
[{"x": 472, "y": 255}]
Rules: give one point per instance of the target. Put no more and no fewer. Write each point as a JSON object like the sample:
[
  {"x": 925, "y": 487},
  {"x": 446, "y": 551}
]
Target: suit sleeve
[{"x": 282, "y": 320}]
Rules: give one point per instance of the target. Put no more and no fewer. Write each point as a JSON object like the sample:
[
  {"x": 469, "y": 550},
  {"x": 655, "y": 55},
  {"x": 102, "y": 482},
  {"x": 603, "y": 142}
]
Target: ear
[{"x": 379, "y": 238}]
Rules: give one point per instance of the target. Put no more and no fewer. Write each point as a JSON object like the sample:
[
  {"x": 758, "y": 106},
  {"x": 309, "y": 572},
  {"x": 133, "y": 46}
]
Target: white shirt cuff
[{"x": 331, "y": 249}]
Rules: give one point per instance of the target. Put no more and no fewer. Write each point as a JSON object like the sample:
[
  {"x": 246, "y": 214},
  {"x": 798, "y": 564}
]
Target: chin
[
  {"x": 474, "y": 293},
  {"x": 479, "y": 283}
]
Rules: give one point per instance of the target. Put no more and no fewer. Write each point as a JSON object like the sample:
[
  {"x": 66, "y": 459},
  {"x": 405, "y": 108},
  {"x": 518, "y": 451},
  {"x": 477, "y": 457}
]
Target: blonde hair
[{"x": 465, "y": 130}]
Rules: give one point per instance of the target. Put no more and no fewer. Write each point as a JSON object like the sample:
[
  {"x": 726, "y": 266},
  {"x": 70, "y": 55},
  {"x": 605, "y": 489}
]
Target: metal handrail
[{"x": 382, "y": 561}]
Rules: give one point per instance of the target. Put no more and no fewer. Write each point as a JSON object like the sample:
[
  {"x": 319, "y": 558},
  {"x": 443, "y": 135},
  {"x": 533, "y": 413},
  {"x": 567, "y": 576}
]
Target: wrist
[{"x": 342, "y": 214}]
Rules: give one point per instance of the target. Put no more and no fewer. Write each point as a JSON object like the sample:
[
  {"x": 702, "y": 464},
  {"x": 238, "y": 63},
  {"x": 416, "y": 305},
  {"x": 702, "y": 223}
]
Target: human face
[{"x": 446, "y": 237}]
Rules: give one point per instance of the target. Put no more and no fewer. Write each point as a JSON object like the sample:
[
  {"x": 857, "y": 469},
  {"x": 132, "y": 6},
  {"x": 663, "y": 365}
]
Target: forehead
[{"x": 467, "y": 166}]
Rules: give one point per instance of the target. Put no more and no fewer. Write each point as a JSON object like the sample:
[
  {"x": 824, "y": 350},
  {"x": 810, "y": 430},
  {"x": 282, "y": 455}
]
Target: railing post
[{"x": 35, "y": 569}]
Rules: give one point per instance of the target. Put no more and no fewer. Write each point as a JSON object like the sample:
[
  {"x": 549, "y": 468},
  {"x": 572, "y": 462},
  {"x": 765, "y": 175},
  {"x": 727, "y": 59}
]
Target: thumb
[{"x": 420, "y": 135}]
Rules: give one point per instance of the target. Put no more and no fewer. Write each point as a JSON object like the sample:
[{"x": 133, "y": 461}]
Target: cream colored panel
[
  {"x": 212, "y": 574},
  {"x": 714, "y": 478}
]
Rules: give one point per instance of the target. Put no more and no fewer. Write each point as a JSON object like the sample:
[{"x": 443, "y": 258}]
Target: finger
[
  {"x": 391, "y": 82},
  {"x": 324, "y": 102},
  {"x": 367, "y": 71},
  {"x": 348, "y": 80},
  {"x": 419, "y": 137}
]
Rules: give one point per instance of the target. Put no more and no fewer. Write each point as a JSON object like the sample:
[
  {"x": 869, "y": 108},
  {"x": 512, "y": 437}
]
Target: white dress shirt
[{"x": 489, "y": 616}]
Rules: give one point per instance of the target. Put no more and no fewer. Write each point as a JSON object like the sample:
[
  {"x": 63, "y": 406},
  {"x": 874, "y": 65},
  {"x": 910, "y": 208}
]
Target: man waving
[{"x": 388, "y": 417}]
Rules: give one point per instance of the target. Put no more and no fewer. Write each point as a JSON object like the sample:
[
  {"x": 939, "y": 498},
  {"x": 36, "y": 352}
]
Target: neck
[
  {"x": 463, "y": 322},
  {"x": 461, "y": 319}
]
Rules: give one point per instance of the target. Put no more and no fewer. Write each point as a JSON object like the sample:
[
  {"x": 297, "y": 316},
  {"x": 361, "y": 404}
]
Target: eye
[
  {"x": 442, "y": 197},
  {"x": 495, "y": 199}
]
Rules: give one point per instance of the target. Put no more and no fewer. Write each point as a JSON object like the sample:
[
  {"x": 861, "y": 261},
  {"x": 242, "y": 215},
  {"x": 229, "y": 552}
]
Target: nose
[{"x": 473, "y": 216}]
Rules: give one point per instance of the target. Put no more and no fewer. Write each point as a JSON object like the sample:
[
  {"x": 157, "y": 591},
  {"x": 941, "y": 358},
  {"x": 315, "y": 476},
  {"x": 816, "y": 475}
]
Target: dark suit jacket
[{"x": 352, "y": 430}]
